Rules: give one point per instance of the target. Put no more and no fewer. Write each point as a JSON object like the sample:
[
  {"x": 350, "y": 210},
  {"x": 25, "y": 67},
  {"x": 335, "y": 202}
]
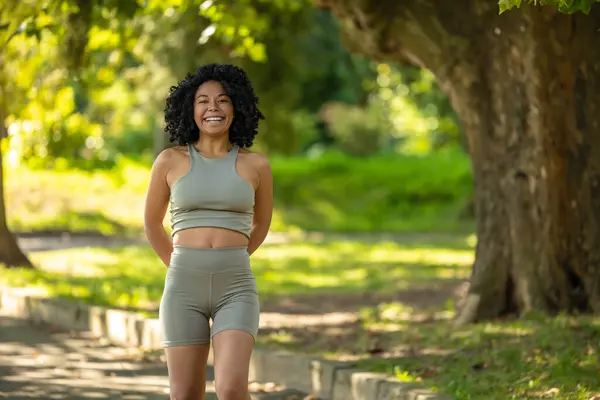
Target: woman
[{"x": 221, "y": 202}]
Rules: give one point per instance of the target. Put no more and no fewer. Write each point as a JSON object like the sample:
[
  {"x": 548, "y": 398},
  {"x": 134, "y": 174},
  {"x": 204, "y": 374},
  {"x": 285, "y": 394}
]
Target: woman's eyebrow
[{"x": 203, "y": 95}]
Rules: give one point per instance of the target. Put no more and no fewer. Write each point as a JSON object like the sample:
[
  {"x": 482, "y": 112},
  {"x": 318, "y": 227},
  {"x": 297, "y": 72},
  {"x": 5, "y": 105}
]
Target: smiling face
[{"x": 213, "y": 110}]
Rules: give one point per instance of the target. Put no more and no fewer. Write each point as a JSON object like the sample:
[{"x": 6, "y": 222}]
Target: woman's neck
[{"x": 213, "y": 147}]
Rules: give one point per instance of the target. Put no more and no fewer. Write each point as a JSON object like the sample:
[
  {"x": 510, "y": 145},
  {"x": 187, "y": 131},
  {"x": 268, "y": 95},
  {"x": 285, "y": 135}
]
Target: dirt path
[
  {"x": 333, "y": 318},
  {"x": 419, "y": 297},
  {"x": 35, "y": 243},
  {"x": 41, "y": 363},
  {"x": 61, "y": 240}
]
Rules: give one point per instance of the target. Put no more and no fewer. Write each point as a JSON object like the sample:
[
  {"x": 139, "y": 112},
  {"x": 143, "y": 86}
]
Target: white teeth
[{"x": 214, "y": 119}]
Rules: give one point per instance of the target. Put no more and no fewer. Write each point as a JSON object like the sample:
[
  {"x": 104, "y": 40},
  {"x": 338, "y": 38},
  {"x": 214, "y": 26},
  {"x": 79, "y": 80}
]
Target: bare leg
[
  {"x": 187, "y": 371},
  {"x": 233, "y": 349}
]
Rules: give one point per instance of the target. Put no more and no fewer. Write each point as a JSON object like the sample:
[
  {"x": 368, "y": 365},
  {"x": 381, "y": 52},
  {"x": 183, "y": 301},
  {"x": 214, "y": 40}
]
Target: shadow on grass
[
  {"x": 49, "y": 240},
  {"x": 333, "y": 272},
  {"x": 385, "y": 304},
  {"x": 77, "y": 222},
  {"x": 407, "y": 240},
  {"x": 127, "y": 277},
  {"x": 326, "y": 215},
  {"x": 519, "y": 359},
  {"x": 423, "y": 296}
]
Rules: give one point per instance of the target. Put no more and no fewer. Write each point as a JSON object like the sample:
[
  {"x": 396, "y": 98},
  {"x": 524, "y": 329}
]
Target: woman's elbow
[
  {"x": 151, "y": 225},
  {"x": 261, "y": 227}
]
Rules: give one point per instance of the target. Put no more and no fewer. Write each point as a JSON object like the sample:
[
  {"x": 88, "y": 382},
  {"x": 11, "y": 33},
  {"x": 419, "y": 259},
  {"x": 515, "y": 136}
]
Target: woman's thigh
[
  {"x": 232, "y": 352},
  {"x": 187, "y": 370}
]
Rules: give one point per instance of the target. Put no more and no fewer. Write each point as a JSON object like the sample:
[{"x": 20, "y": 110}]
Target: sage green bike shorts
[{"x": 204, "y": 284}]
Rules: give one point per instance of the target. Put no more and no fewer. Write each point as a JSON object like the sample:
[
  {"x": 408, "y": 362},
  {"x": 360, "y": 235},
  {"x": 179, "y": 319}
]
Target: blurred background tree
[
  {"x": 83, "y": 85},
  {"x": 500, "y": 164},
  {"x": 101, "y": 99}
]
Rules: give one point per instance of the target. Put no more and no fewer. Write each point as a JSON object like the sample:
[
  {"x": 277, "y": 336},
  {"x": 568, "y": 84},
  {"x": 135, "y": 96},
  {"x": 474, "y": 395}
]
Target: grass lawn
[
  {"x": 112, "y": 201},
  {"x": 533, "y": 358},
  {"x": 133, "y": 277},
  {"x": 386, "y": 304}
]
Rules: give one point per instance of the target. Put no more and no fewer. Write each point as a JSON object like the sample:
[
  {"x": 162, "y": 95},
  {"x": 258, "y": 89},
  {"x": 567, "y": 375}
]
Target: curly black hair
[{"x": 179, "y": 109}]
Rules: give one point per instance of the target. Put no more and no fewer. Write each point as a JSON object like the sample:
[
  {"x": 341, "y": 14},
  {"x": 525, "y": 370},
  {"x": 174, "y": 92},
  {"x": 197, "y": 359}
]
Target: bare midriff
[{"x": 209, "y": 237}]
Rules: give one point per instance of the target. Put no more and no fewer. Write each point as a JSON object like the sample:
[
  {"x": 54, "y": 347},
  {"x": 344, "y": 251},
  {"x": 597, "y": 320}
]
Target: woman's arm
[
  {"x": 157, "y": 201},
  {"x": 263, "y": 205}
]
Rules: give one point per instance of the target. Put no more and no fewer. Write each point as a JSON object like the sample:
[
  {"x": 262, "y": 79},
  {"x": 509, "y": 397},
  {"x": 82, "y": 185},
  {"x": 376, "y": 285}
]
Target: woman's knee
[
  {"x": 185, "y": 392},
  {"x": 231, "y": 390}
]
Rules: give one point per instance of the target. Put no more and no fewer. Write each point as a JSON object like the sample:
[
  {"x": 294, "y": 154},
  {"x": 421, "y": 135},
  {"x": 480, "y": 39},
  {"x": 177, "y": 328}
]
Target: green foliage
[
  {"x": 291, "y": 51},
  {"x": 102, "y": 275},
  {"x": 529, "y": 358},
  {"x": 324, "y": 69},
  {"x": 329, "y": 193},
  {"x": 16, "y": 17},
  {"x": 564, "y": 6},
  {"x": 394, "y": 193},
  {"x": 359, "y": 131},
  {"x": 421, "y": 112},
  {"x": 45, "y": 76},
  {"x": 306, "y": 67},
  {"x": 245, "y": 24},
  {"x": 64, "y": 197},
  {"x": 113, "y": 106},
  {"x": 535, "y": 357},
  {"x": 405, "y": 113},
  {"x": 399, "y": 290},
  {"x": 418, "y": 116}
]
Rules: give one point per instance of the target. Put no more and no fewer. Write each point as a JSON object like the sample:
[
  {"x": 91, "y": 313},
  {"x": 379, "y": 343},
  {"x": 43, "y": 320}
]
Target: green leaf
[
  {"x": 507, "y": 5},
  {"x": 258, "y": 52},
  {"x": 563, "y": 6},
  {"x": 584, "y": 6}
]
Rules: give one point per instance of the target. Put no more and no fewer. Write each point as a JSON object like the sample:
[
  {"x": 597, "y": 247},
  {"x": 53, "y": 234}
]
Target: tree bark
[
  {"x": 526, "y": 87},
  {"x": 11, "y": 254}
]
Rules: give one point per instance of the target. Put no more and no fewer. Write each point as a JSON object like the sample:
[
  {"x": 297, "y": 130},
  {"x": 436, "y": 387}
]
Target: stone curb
[{"x": 327, "y": 380}]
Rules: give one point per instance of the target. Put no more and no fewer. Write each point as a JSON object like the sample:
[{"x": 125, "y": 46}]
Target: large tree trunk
[
  {"x": 526, "y": 87},
  {"x": 10, "y": 253}
]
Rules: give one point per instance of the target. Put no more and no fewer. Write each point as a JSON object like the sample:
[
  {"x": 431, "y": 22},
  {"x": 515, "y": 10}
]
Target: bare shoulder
[
  {"x": 172, "y": 154},
  {"x": 258, "y": 160},
  {"x": 176, "y": 151},
  {"x": 168, "y": 156}
]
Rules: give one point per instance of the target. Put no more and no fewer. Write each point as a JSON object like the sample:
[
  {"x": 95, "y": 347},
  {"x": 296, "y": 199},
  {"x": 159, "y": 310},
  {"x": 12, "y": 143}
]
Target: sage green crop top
[{"x": 212, "y": 194}]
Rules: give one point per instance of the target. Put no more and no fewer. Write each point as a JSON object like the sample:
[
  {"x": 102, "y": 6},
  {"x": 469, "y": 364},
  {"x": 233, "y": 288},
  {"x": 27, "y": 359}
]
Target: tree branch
[{"x": 432, "y": 35}]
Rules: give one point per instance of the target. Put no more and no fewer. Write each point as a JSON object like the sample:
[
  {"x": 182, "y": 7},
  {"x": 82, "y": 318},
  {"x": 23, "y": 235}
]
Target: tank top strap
[
  {"x": 193, "y": 154},
  {"x": 233, "y": 157},
  {"x": 234, "y": 152}
]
